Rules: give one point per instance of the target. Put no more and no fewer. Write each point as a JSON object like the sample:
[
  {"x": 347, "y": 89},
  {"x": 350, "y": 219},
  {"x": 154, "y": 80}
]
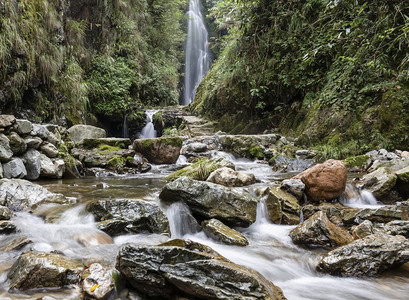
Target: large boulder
[
  {"x": 129, "y": 216},
  {"x": 33, "y": 164},
  {"x": 122, "y": 143},
  {"x": 164, "y": 150},
  {"x": 228, "y": 177},
  {"x": 80, "y": 132},
  {"x": 20, "y": 194},
  {"x": 14, "y": 168},
  {"x": 234, "y": 207},
  {"x": 318, "y": 231},
  {"x": 167, "y": 272},
  {"x": 282, "y": 207},
  {"x": 325, "y": 181},
  {"x": 34, "y": 269},
  {"x": 366, "y": 257},
  {"x": 202, "y": 169},
  {"x": 218, "y": 231},
  {"x": 17, "y": 144},
  {"x": 5, "y": 151},
  {"x": 100, "y": 157}
]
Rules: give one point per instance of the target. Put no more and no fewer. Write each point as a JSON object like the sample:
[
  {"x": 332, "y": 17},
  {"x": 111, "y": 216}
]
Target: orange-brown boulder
[{"x": 324, "y": 181}]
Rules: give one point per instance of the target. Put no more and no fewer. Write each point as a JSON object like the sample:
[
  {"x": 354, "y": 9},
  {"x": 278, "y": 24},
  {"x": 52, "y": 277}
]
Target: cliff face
[
  {"x": 73, "y": 60},
  {"x": 329, "y": 72}
]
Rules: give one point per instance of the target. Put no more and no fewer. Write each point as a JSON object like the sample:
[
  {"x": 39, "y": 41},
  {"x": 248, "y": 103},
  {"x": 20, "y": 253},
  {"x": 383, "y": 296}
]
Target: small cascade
[
  {"x": 198, "y": 57},
  {"x": 358, "y": 198},
  {"x": 125, "y": 130},
  {"x": 149, "y": 132},
  {"x": 182, "y": 160},
  {"x": 181, "y": 222},
  {"x": 262, "y": 212}
]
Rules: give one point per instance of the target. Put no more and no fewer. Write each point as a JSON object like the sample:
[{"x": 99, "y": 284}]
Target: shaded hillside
[
  {"x": 69, "y": 61},
  {"x": 329, "y": 72}
]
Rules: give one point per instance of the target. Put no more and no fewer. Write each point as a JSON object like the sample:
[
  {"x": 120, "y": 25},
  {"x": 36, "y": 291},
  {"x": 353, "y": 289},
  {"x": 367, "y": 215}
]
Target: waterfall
[
  {"x": 125, "y": 130},
  {"x": 148, "y": 132},
  {"x": 198, "y": 58}
]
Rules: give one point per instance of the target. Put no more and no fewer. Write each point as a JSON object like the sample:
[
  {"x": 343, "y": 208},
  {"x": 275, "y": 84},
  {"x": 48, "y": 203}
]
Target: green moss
[
  {"x": 105, "y": 147},
  {"x": 257, "y": 152},
  {"x": 200, "y": 170},
  {"x": 173, "y": 141},
  {"x": 116, "y": 163}
]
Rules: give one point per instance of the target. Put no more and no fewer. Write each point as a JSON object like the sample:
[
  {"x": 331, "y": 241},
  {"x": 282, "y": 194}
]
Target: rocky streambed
[{"x": 223, "y": 228}]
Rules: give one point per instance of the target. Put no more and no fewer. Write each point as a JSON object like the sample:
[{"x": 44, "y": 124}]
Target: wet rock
[
  {"x": 60, "y": 165},
  {"x": 71, "y": 170},
  {"x": 197, "y": 147},
  {"x": 1, "y": 171},
  {"x": 35, "y": 269},
  {"x": 8, "y": 227},
  {"x": 294, "y": 186},
  {"x": 20, "y": 194},
  {"x": 99, "y": 283},
  {"x": 284, "y": 164},
  {"x": 100, "y": 158},
  {"x": 15, "y": 244},
  {"x": 362, "y": 230},
  {"x": 234, "y": 207},
  {"x": 5, "y": 151},
  {"x": 33, "y": 142},
  {"x": 366, "y": 257},
  {"x": 325, "y": 181},
  {"x": 382, "y": 214},
  {"x": 379, "y": 182},
  {"x": 24, "y": 127},
  {"x": 398, "y": 227},
  {"x": 174, "y": 271},
  {"x": 93, "y": 238},
  {"x": 202, "y": 169},
  {"x": 33, "y": 164},
  {"x": 49, "y": 149},
  {"x": 17, "y": 144},
  {"x": 138, "y": 216},
  {"x": 224, "y": 234},
  {"x": 228, "y": 177},
  {"x": 7, "y": 120},
  {"x": 282, "y": 207},
  {"x": 5, "y": 213},
  {"x": 47, "y": 168},
  {"x": 160, "y": 150},
  {"x": 318, "y": 231},
  {"x": 193, "y": 246},
  {"x": 14, "y": 169},
  {"x": 80, "y": 132},
  {"x": 52, "y": 139}
]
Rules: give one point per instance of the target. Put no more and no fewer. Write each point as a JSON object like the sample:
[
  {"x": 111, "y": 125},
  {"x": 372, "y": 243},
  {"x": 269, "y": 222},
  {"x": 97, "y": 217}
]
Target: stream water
[
  {"x": 148, "y": 131},
  {"x": 271, "y": 251}
]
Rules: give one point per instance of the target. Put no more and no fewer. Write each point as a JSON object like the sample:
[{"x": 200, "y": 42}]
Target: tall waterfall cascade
[{"x": 197, "y": 53}]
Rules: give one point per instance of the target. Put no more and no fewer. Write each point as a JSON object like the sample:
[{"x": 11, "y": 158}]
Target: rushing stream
[{"x": 271, "y": 251}]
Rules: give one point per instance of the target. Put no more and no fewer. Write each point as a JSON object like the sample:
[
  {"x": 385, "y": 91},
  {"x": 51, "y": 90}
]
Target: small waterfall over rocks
[
  {"x": 198, "y": 57},
  {"x": 149, "y": 132}
]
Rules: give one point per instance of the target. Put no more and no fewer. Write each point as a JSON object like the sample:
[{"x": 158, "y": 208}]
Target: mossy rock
[
  {"x": 163, "y": 150},
  {"x": 202, "y": 169},
  {"x": 117, "y": 143},
  {"x": 116, "y": 163}
]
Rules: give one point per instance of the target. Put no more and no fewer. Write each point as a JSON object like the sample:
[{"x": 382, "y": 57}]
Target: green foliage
[
  {"x": 110, "y": 81},
  {"x": 318, "y": 67}
]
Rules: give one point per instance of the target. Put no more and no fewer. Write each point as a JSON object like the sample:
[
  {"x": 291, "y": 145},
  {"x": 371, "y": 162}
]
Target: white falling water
[
  {"x": 198, "y": 58},
  {"x": 149, "y": 132},
  {"x": 359, "y": 198}
]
